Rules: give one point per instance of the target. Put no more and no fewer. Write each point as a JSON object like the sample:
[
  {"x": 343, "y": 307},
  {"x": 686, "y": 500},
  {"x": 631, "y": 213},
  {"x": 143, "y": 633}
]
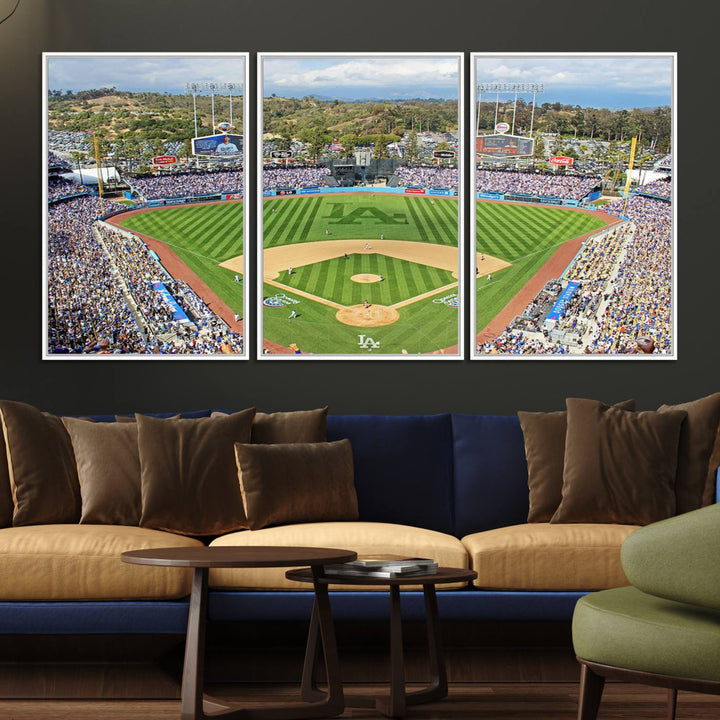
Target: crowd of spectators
[
  {"x": 519, "y": 342},
  {"x": 188, "y": 184},
  {"x": 85, "y": 306},
  {"x": 565, "y": 187},
  {"x": 295, "y": 177},
  {"x": 60, "y": 188},
  {"x": 639, "y": 303},
  {"x": 624, "y": 292},
  {"x": 428, "y": 177},
  {"x": 166, "y": 335},
  {"x": 659, "y": 188},
  {"x": 101, "y": 298}
]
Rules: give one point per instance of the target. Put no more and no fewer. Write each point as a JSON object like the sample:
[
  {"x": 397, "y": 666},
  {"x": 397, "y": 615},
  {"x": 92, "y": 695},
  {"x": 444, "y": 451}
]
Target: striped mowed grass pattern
[
  {"x": 213, "y": 231},
  {"x": 202, "y": 236},
  {"x": 511, "y": 232},
  {"x": 363, "y": 216},
  {"x": 331, "y": 279}
]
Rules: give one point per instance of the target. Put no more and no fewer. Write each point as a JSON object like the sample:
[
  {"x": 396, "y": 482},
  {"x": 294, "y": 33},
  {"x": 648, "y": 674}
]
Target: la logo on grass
[
  {"x": 361, "y": 215},
  {"x": 367, "y": 343}
]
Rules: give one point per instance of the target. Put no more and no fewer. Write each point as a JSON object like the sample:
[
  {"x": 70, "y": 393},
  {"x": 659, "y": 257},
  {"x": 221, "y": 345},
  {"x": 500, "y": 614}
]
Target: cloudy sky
[
  {"x": 142, "y": 73},
  {"x": 362, "y": 77},
  {"x": 611, "y": 82}
]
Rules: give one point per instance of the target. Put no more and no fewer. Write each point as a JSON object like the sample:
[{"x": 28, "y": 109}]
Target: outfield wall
[
  {"x": 536, "y": 199},
  {"x": 437, "y": 191}
]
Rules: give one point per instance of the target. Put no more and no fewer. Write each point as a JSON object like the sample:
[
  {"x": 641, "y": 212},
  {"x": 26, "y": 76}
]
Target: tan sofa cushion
[
  {"x": 82, "y": 562},
  {"x": 544, "y": 556},
  {"x": 365, "y": 538}
]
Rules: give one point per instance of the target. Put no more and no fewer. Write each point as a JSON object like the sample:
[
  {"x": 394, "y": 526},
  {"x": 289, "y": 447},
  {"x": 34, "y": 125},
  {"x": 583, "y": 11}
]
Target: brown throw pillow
[
  {"x": 6, "y": 500},
  {"x": 188, "y": 473},
  {"x": 697, "y": 438},
  {"x": 297, "y": 483},
  {"x": 297, "y": 426},
  {"x": 619, "y": 466},
  {"x": 41, "y": 466},
  {"x": 108, "y": 466},
  {"x": 544, "y": 435}
]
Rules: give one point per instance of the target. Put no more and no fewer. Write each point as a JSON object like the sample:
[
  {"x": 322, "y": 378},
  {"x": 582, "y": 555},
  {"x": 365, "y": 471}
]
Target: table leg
[
  {"x": 438, "y": 687},
  {"x": 394, "y": 706},
  {"x": 309, "y": 687},
  {"x": 195, "y": 707},
  {"x": 193, "y": 670}
]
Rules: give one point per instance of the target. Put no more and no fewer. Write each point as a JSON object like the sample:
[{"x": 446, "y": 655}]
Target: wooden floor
[{"x": 476, "y": 701}]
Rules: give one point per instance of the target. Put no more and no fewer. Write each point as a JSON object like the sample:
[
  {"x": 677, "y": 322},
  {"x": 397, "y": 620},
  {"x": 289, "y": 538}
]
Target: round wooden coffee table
[
  {"x": 193, "y": 705},
  {"x": 395, "y": 704}
]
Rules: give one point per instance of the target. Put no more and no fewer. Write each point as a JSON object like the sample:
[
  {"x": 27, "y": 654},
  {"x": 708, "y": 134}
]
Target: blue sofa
[{"x": 455, "y": 474}]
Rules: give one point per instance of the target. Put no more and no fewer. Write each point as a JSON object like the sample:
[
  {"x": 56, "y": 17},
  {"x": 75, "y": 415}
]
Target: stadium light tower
[
  {"x": 232, "y": 86},
  {"x": 505, "y": 88},
  {"x": 193, "y": 88},
  {"x": 197, "y": 88}
]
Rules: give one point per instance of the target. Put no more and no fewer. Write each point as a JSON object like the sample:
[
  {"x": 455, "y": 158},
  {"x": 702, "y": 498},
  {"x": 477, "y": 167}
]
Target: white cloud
[
  {"x": 388, "y": 72},
  {"x": 605, "y": 73},
  {"x": 151, "y": 73}
]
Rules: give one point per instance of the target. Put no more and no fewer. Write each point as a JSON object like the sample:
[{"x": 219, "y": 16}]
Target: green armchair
[{"x": 664, "y": 629}]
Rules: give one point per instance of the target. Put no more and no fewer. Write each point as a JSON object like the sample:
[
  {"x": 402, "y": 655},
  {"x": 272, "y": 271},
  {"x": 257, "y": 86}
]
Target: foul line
[
  {"x": 307, "y": 295},
  {"x": 424, "y": 295}
]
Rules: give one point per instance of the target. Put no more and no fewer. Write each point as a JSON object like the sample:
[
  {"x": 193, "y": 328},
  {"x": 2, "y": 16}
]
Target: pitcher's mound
[
  {"x": 365, "y": 278},
  {"x": 373, "y": 316}
]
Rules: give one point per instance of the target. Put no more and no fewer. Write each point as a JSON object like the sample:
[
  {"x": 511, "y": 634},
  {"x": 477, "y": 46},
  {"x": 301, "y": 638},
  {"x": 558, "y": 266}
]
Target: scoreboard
[{"x": 503, "y": 145}]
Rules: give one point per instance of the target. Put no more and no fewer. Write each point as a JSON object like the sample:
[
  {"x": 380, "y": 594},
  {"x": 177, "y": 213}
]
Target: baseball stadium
[
  {"x": 587, "y": 240},
  {"x": 137, "y": 234}
]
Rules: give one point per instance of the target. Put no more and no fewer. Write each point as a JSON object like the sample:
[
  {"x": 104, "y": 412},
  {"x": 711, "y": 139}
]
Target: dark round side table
[
  {"x": 395, "y": 704},
  {"x": 201, "y": 559}
]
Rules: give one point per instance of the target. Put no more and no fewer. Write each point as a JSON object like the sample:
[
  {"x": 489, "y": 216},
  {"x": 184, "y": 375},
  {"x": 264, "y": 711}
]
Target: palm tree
[{"x": 78, "y": 156}]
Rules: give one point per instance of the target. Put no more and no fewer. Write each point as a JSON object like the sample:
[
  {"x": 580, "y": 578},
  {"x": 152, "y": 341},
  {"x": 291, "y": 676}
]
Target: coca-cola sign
[{"x": 561, "y": 160}]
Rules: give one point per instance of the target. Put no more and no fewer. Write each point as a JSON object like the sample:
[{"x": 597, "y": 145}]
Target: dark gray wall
[{"x": 321, "y": 25}]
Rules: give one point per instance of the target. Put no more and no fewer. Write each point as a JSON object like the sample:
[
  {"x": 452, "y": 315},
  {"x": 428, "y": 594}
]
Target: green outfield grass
[
  {"x": 202, "y": 236},
  {"x": 526, "y": 236},
  {"x": 331, "y": 279},
  {"x": 363, "y": 216},
  {"x": 422, "y": 327}
]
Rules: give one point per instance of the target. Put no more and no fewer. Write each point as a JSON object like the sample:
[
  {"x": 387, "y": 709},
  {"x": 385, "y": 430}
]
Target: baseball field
[
  {"x": 361, "y": 273},
  {"x": 365, "y": 273},
  {"x": 525, "y": 236}
]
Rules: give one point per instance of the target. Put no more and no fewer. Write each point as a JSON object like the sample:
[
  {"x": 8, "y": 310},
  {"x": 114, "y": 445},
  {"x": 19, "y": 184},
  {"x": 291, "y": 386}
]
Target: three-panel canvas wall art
[{"x": 388, "y": 206}]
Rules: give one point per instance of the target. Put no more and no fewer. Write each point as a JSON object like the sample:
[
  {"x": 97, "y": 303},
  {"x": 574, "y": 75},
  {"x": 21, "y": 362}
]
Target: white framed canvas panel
[
  {"x": 144, "y": 178},
  {"x": 573, "y": 219},
  {"x": 360, "y": 219}
]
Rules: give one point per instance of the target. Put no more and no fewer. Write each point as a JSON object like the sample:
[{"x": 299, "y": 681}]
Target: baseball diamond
[{"x": 361, "y": 265}]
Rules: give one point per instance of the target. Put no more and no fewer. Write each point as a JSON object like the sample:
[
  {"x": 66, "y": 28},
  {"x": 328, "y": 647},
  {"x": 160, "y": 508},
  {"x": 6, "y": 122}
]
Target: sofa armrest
[{"x": 677, "y": 558}]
